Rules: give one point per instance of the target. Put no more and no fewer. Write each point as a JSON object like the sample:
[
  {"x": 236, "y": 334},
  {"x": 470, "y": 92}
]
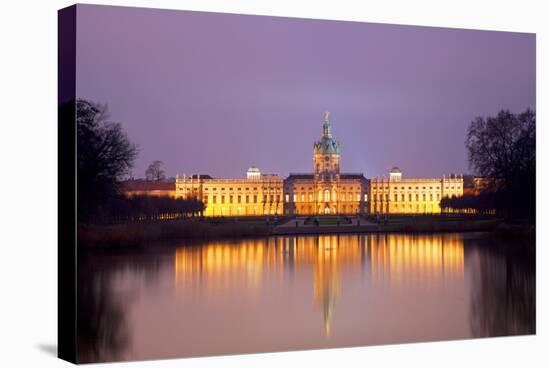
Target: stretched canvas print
[{"x": 237, "y": 184}]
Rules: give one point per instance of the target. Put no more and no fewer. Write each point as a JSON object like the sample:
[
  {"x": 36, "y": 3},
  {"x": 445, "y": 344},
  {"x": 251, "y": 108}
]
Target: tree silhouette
[
  {"x": 155, "y": 172},
  {"x": 104, "y": 155},
  {"x": 502, "y": 149}
]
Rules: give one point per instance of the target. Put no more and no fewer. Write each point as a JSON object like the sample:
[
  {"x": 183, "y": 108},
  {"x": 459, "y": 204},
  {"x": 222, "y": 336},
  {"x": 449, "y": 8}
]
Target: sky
[{"x": 211, "y": 93}]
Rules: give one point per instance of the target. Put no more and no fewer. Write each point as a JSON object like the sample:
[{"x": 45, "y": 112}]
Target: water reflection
[
  {"x": 503, "y": 291},
  {"x": 395, "y": 259},
  {"x": 301, "y": 292}
]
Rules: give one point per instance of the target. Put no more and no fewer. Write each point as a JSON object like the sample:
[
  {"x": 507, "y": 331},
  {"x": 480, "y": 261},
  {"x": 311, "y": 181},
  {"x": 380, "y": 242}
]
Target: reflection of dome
[
  {"x": 326, "y": 145},
  {"x": 395, "y": 170}
]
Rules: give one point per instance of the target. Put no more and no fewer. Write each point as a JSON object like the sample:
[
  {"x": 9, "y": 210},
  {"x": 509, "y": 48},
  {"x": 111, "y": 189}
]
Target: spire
[{"x": 327, "y": 133}]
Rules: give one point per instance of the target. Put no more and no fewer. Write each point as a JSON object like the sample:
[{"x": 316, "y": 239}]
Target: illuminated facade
[
  {"x": 257, "y": 195},
  {"x": 325, "y": 191},
  {"x": 148, "y": 188},
  {"x": 398, "y": 195}
]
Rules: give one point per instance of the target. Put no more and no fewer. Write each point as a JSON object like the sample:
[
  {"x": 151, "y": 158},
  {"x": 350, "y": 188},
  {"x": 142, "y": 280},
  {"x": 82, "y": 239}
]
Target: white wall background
[{"x": 28, "y": 180}]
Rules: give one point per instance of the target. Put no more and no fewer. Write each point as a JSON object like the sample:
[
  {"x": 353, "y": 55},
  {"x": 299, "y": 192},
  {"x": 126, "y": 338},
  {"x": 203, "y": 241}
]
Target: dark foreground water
[{"x": 287, "y": 293}]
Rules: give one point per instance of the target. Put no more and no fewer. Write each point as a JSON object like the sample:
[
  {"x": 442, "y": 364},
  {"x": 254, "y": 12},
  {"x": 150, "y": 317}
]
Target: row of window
[
  {"x": 326, "y": 197},
  {"x": 240, "y": 188},
  {"x": 308, "y": 209},
  {"x": 417, "y": 188},
  {"x": 244, "y": 198},
  {"x": 231, "y": 189},
  {"x": 411, "y": 208},
  {"x": 396, "y": 197},
  {"x": 244, "y": 211}
]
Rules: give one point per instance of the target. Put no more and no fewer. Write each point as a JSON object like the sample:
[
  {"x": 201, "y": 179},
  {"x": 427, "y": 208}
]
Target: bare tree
[
  {"x": 155, "y": 171},
  {"x": 502, "y": 148},
  {"x": 104, "y": 155}
]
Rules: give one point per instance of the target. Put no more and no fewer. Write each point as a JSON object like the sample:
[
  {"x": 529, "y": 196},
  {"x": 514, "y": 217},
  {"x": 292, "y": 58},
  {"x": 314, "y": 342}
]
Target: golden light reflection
[{"x": 393, "y": 260}]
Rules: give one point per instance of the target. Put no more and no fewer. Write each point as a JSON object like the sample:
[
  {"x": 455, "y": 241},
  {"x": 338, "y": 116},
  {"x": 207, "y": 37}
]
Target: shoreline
[{"x": 140, "y": 235}]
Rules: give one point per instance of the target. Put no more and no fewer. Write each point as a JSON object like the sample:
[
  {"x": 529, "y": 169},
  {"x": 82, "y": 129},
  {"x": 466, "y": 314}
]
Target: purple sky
[{"x": 216, "y": 93}]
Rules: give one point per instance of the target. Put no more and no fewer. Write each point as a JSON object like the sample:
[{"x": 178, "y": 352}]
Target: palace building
[
  {"x": 322, "y": 192},
  {"x": 326, "y": 190},
  {"x": 257, "y": 195},
  {"x": 408, "y": 196}
]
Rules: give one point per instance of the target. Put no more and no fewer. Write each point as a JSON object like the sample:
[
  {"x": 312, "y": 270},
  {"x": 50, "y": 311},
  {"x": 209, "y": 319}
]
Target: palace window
[
  {"x": 247, "y": 198},
  {"x": 417, "y": 197},
  {"x": 424, "y": 197},
  {"x": 431, "y": 197},
  {"x": 358, "y": 197},
  {"x": 255, "y": 198},
  {"x": 403, "y": 197},
  {"x": 230, "y": 199},
  {"x": 327, "y": 195},
  {"x": 366, "y": 198},
  {"x": 303, "y": 197},
  {"x": 238, "y": 199},
  {"x": 395, "y": 197},
  {"x": 213, "y": 199},
  {"x": 223, "y": 199},
  {"x": 294, "y": 198}
]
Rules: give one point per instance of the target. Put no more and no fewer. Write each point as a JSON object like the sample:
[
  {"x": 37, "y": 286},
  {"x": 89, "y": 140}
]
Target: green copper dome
[{"x": 326, "y": 145}]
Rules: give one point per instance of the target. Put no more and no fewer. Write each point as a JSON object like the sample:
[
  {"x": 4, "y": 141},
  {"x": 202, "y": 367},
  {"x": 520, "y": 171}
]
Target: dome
[
  {"x": 326, "y": 145},
  {"x": 253, "y": 173},
  {"x": 395, "y": 170}
]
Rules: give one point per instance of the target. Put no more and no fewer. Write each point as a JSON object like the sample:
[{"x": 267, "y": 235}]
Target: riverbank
[
  {"x": 137, "y": 234},
  {"x": 141, "y": 234},
  {"x": 398, "y": 224}
]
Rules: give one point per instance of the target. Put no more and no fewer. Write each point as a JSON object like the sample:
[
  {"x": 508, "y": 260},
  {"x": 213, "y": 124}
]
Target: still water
[{"x": 302, "y": 292}]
